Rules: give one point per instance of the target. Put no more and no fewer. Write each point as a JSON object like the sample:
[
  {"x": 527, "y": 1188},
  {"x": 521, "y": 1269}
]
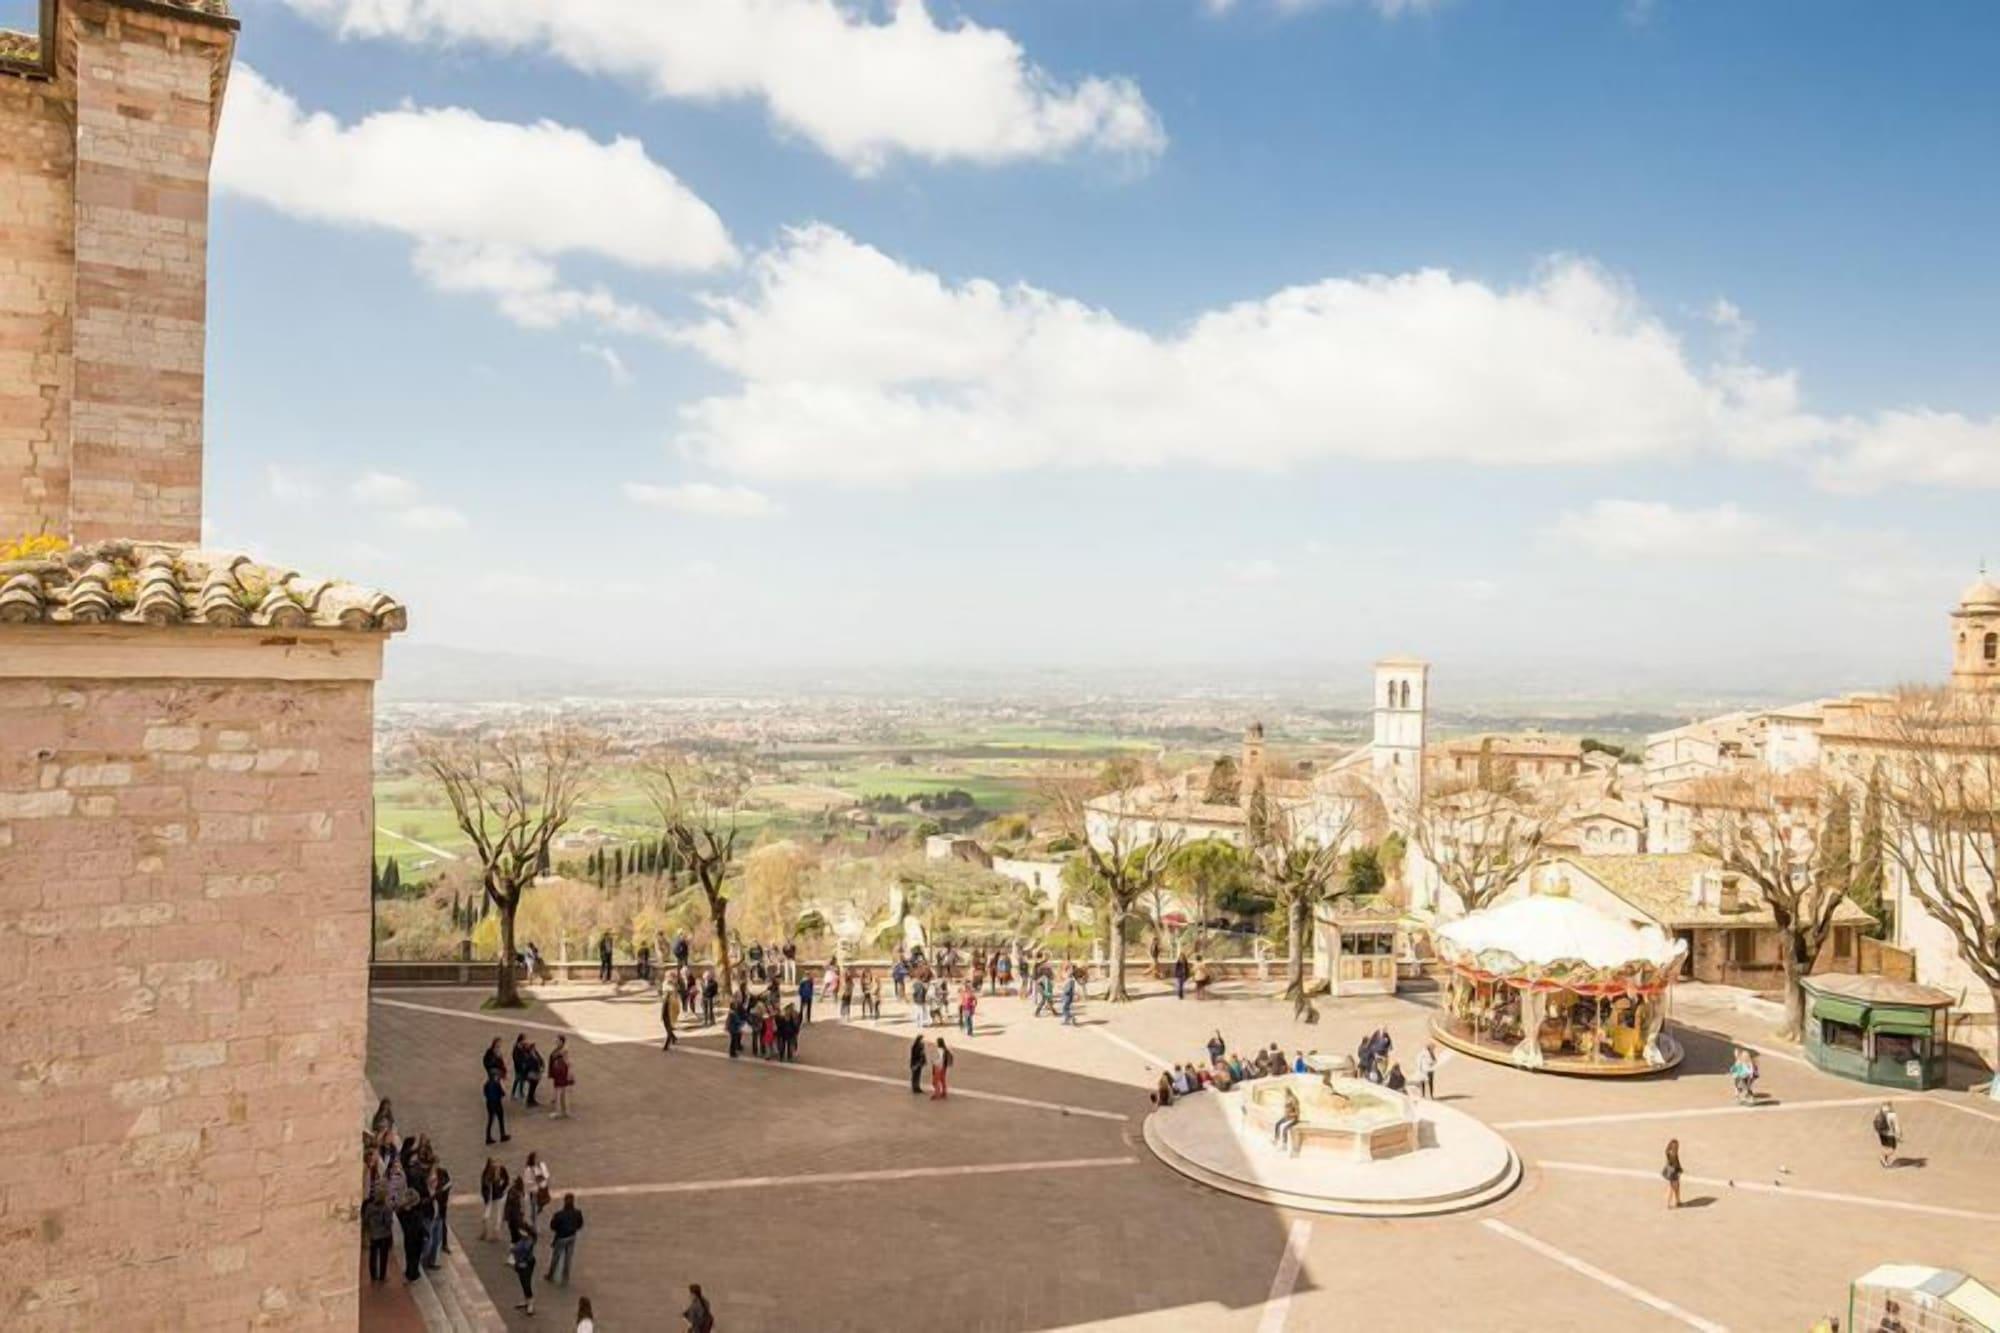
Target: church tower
[
  {"x": 1975, "y": 632},
  {"x": 1402, "y": 689},
  {"x": 1250, "y": 771}
]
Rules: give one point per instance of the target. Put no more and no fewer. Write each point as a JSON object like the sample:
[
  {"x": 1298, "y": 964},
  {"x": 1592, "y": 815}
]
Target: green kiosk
[{"x": 1877, "y": 1030}]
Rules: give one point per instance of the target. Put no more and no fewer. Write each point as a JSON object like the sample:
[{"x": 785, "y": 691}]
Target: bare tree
[
  {"x": 1123, "y": 850},
  {"x": 700, "y": 809},
  {"x": 510, "y": 795},
  {"x": 1768, "y": 828},
  {"x": 1481, "y": 833},
  {"x": 1940, "y": 784},
  {"x": 1306, "y": 868}
]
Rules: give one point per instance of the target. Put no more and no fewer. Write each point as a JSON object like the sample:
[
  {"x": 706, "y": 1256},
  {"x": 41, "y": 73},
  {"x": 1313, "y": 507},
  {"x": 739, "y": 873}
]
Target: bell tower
[
  {"x": 1396, "y": 757},
  {"x": 1975, "y": 637}
]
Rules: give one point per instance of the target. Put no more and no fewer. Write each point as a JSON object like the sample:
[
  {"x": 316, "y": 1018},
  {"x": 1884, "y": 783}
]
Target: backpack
[{"x": 1881, "y": 1122}]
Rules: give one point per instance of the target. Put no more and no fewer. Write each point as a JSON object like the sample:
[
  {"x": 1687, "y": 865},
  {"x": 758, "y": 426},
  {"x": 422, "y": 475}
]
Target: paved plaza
[{"x": 824, "y": 1196}]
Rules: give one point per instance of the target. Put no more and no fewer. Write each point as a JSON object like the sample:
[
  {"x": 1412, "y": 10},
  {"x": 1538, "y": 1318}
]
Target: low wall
[{"x": 392, "y": 973}]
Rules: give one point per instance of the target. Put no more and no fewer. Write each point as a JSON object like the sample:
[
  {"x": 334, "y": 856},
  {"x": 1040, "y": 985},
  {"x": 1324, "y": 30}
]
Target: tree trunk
[
  {"x": 507, "y": 993},
  {"x": 1115, "y": 992},
  {"x": 718, "y": 912},
  {"x": 1795, "y": 995},
  {"x": 1295, "y": 960}
]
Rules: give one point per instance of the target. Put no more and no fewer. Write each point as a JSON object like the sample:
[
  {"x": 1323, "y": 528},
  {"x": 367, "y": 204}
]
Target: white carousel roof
[{"x": 1543, "y": 928}]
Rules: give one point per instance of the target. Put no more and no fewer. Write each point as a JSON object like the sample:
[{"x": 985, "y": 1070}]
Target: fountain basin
[{"x": 1346, "y": 1117}]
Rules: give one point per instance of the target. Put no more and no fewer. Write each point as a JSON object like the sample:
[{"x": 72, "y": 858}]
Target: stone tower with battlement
[{"x": 107, "y": 119}]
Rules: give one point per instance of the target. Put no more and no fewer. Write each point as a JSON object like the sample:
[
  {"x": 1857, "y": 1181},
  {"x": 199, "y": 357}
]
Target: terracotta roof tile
[
  {"x": 1658, "y": 884},
  {"x": 145, "y": 584}
]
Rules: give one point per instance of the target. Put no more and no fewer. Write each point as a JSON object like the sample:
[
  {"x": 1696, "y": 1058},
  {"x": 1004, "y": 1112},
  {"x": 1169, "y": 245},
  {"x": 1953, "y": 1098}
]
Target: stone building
[{"x": 185, "y": 746}]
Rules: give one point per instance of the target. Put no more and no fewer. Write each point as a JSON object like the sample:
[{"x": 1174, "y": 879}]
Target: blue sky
[{"x": 1151, "y": 331}]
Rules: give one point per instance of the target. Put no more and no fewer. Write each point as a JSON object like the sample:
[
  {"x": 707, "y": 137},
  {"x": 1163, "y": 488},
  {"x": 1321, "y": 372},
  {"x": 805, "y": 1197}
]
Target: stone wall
[
  {"x": 184, "y": 925},
  {"x": 103, "y": 291},
  {"x": 37, "y": 284}
]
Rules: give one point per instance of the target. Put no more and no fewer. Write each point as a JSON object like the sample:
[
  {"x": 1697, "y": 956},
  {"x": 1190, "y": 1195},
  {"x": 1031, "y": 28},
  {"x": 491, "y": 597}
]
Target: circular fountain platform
[{"x": 1364, "y": 1151}]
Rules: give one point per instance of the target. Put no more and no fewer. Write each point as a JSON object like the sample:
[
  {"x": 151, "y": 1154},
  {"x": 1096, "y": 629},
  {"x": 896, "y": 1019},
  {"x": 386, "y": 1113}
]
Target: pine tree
[
  {"x": 1836, "y": 848},
  {"x": 392, "y": 879},
  {"x": 1258, "y": 817}
]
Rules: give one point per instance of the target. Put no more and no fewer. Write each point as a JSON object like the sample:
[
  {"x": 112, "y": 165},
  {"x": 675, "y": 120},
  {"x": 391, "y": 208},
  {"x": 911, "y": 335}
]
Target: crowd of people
[{"x": 1223, "y": 1069}]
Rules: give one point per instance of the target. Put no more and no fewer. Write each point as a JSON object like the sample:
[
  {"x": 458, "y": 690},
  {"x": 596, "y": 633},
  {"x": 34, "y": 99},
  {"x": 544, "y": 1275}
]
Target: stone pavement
[{"x": 825, "y": 1196}]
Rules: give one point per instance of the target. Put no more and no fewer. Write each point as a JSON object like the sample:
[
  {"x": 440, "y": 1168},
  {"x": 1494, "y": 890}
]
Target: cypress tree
[{"x": 1866, "y": 882}]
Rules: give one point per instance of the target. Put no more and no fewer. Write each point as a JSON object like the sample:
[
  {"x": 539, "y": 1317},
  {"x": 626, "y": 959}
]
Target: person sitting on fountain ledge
[{"x": 1281, "y": 1133}]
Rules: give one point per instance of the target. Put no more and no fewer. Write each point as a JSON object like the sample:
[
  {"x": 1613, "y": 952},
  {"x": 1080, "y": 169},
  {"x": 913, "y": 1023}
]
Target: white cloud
[
  {"x": 859, "y": 87},
  {"x": 856, "y": 367},
  {"x": 383, "y": 488},
  {"x": 399, "y": 497},
  {"x": 1912, "y": 446},
  {"x": 1652, "y": 530},
  {"x": 701, "y": 497},
  {"x": 615, "y": 364},
  {"x": 1389, "y": 9},
  {"x": 288, "y": 487},
  {"x": 1261, "y": 570},
  {"x": 430, "y": 518},
  {"x": 491, "y": 205}
]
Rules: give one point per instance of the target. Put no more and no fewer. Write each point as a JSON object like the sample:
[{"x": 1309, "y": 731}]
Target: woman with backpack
[{"x": 1888, "y": 1132}]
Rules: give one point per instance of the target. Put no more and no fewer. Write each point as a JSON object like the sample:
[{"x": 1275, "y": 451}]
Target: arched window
[
  {"x": 1390, "y": 702},
  {"x": 1992, "y": 649},
  {"x": 1406, "y": 694}
]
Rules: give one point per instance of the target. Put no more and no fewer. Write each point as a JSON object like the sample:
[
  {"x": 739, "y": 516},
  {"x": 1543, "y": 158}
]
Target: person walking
[
  {"x": 700, "y": 1318},
  {"x": 709, "y": 988},
  {"x": 562, "y": 1076},
  {"x": 1180, "y": 976},
  {"x": 1888, "y": 1132},
  {"x": 438, "y": 1241},
  {"x": 496, "y": 1104},
  {"x": 806, "y": 998},
  {"x": 413, "y": 1213},
  {"x": 604, "y": 957},
  {"x": 563, "y": 1230},
  {"x": 514, "y": 1209},
  {"x": 734, "y": 1023},
  {"x": 940, "y": 1062},
  {"x": 1069, "y": 1001},
  {"x": 586, "y": 1318},
  {"x": 1671, "y": 1173},
  {"x": 670, "y": 1011},
  {"x": 1427, "y": 1065},
  {"x": 917, "y": 1062},
  {"x": 492, "y": 1198},
  {"x": 521, "y": 1258},
  {"x": 378, "y": 1225},
  {"x": 968, "y": 1007}
]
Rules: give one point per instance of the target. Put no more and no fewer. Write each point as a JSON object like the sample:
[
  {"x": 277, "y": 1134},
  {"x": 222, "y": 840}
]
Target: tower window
[
  {"x": 1390, "y": 702},
  {"x": 1992, "y": 652}
]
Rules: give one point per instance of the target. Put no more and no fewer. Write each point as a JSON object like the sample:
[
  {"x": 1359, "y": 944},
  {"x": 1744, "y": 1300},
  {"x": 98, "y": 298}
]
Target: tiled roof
[
  {"x": 1657, "y": 883},
  {"x": 145, "y": 584}
]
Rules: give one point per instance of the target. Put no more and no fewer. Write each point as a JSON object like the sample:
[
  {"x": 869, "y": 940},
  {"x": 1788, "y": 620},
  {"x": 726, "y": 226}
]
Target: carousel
[{"x": 1555, "y": 985}]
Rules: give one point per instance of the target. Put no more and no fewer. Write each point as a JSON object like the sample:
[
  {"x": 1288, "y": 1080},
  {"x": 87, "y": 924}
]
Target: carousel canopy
[{"x": 1543, "y": 929}]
